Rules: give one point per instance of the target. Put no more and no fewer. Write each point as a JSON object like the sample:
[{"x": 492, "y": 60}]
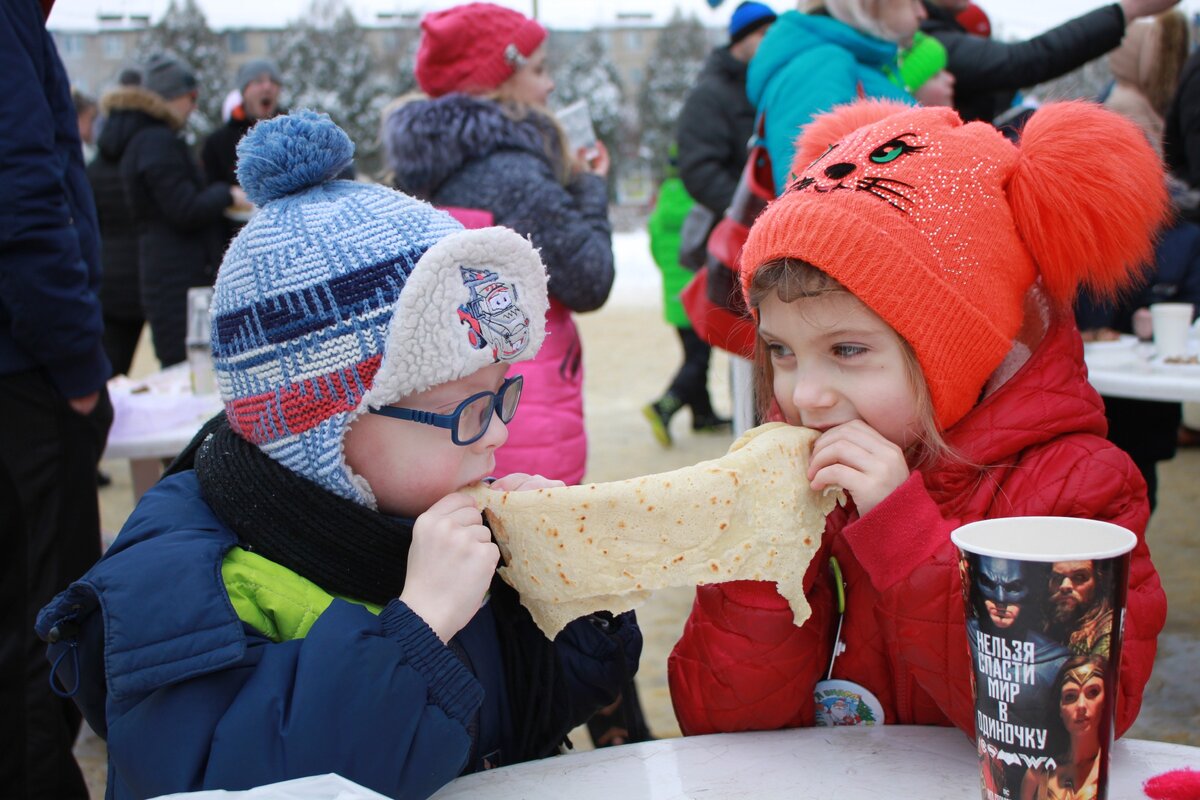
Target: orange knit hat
[{"x": 941, "y": 227}]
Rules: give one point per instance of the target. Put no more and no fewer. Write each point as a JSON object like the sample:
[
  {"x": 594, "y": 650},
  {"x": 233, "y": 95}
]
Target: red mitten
[{"x": 1178, "y": 784}]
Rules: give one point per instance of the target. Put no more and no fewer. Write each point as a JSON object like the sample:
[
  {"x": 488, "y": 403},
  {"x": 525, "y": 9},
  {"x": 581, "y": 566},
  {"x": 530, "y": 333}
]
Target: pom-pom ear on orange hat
[
  {"x": 1087, "y": 197},
  {"x": 826, "y": 129}
]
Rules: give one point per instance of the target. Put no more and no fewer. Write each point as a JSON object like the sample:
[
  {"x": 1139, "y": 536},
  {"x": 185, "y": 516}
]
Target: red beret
[{"x": 473, "y": 48}]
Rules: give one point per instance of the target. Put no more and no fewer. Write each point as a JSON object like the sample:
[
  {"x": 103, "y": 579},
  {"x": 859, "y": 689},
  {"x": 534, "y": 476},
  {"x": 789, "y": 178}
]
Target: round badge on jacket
[{"x": 843, "y": 703}]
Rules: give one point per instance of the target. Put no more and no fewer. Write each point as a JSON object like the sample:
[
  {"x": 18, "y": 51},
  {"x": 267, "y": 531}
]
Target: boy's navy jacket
[
  {"x": 49, "y": 247},
  {"x": 188, "y": 697}
]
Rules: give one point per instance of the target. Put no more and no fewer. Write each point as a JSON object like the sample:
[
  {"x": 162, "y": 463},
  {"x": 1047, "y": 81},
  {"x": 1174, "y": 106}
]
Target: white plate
[
  {"x": 1126, "y": 342},
  {"x": 1115, "y": 354}
]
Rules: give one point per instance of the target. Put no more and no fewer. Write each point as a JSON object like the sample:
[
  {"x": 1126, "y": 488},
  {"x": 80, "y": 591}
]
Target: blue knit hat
[
  {"x": 340, "y": 296},
  {"x": 747, "y": 18}
]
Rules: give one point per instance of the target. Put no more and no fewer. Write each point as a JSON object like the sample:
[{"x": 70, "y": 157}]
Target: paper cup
[
  {"x": 576, "y": 122},
  {"x": 1045, "y": 599},
  {"x": 1171, "y": 323}
]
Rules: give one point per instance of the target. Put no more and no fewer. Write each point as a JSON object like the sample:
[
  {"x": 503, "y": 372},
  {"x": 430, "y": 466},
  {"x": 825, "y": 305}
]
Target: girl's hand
[
  {"x": 859, "y": 459},
  {"x": 593, "y": 159},
  {"x": 450, "y": 565},
  {"x": 520, "y": 482}
]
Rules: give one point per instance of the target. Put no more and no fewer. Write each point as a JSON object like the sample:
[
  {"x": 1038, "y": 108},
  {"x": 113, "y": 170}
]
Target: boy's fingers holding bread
[
  {"x": 450, "y": 565},
  {"x": 450, "y": 503},
  {"x": 520, "y": 482}
]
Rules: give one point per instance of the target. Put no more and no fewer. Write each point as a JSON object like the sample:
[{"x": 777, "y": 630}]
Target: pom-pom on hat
[
  {"x": 473, "y": 48},
  {"x": 747, "y": 18},
  {"x": 941, "y": 227},
  {"x": 919, "y": 63},
  {"x": 338, "y": 296}
]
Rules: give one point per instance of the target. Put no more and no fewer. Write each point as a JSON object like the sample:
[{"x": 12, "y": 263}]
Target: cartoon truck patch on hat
[{"x": 491, "y": 315}]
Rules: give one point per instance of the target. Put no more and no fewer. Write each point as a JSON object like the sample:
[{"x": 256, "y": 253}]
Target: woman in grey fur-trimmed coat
[{"x": 482, "y": 142}]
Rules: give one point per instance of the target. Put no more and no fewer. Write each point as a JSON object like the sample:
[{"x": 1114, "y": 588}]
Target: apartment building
[{"x": 96, "y": 54}]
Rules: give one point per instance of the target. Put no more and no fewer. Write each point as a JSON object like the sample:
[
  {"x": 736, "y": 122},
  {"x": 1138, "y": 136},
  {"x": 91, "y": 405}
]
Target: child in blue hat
[{"x": 307, "y": 591}]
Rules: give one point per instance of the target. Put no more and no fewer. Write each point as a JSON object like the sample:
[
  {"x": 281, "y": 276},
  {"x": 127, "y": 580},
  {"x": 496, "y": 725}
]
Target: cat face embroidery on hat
[
  {"x": 924, "y": 164},
  {"x": 477, "y": 297},
  {"x": 906, "y": 208}
]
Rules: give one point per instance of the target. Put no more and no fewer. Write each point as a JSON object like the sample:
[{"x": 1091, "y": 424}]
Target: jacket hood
[
  {"x": 1133, "y": 61},
  {"x": 794, "y": 34},
  {"x": 1040, "y": 390},
  {"x": 721, "y": 64},
  {"x": 1151, "y": 57},
  {"x": 202, "y": 635},
  {"x": 429, "y": 140},
  {"x": 126, "y": 111}
]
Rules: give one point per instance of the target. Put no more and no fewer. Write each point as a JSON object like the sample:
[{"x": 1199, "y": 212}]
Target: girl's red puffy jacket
[{"x": 1033, "y": 446}]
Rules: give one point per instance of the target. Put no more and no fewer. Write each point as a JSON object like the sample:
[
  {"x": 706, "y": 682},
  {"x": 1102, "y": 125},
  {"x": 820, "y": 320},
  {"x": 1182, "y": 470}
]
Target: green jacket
[{"x": 664, "y": 225}]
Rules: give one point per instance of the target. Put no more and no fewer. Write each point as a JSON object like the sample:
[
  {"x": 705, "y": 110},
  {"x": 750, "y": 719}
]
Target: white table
[
  {"x": 154, "y": 418},
  {"x": 892, "y": 761},
  {"x": 1127, "y": 368}
]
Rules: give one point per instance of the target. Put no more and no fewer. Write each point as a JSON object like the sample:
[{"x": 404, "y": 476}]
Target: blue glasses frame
[{"x": 451, "y": 421}]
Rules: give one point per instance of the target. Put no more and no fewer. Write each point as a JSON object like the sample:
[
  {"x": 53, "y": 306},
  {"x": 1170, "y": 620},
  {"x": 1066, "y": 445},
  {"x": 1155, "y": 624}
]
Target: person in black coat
[
  {"x": 1145, "y": 429},
  {"x": 988, "y": 72},
  {"x": 125, "y": 113},
  {"x": 178, "y": 218},
  {"x": 712, "y": 136},
  {"x": 717, "y": 119},
  {"x": 54, "y": 407}
]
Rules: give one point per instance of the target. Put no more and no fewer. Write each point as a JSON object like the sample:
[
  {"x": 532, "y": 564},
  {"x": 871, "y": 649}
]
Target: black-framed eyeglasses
[{"x": 471, "y": 419}]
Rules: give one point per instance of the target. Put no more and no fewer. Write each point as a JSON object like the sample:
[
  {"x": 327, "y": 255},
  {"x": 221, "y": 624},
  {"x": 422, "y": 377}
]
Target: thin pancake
[{"x": 749, "y": 515}]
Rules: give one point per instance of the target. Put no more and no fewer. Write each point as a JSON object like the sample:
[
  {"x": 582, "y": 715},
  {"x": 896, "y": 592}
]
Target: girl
[
  {"x": 912, "y": 289},
  {"x": 838, "y": 51},
  {"x": 483, "y": 140}
]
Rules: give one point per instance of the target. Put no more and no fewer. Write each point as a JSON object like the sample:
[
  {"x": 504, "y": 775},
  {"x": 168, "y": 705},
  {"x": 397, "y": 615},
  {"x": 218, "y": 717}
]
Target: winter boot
[
  {"x": 659, "y": 414},
  {"x": 711, "y": 423}
]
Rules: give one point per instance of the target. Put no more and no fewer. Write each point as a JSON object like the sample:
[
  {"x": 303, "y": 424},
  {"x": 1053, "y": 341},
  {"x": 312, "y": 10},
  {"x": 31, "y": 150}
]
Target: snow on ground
[{"x": 638, "y": 283}]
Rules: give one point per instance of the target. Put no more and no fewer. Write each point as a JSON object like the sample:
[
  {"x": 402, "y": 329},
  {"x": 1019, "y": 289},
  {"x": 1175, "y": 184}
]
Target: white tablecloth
[
  {"x": 157, "y": 416},
  {"x": 1128, "y": 368},
  {"x": 892, "y": 761},
  {"x": 318, "y": 787}
]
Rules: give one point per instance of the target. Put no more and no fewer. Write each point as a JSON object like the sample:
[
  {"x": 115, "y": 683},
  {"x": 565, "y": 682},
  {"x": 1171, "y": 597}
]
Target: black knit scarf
[{"x": 350, "y": 550}]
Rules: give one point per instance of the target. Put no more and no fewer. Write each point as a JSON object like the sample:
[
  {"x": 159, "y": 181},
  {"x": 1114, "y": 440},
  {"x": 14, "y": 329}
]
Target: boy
[{"x": 307, "y": 592}]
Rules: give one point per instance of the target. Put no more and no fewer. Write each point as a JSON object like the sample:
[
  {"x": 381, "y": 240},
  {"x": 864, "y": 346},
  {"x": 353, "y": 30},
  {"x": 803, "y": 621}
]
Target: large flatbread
[{"x": 750, "y": 514}]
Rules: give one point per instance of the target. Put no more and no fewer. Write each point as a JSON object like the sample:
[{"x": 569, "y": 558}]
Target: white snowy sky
[{"x": 1010, "y": 18}]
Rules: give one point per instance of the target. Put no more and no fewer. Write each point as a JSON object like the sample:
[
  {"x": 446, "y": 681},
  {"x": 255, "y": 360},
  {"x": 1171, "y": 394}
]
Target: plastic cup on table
[
  {"x": 1044, "y": 600},
  {"x": 1171, "y": 324}
]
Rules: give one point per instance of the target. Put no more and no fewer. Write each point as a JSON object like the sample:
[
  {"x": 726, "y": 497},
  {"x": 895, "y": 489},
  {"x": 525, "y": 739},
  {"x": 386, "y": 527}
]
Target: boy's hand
[
  {"x": 450, "y": 565},
  {"x": 859, "y": 459},
  {"x": 520, "y": 482}
]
